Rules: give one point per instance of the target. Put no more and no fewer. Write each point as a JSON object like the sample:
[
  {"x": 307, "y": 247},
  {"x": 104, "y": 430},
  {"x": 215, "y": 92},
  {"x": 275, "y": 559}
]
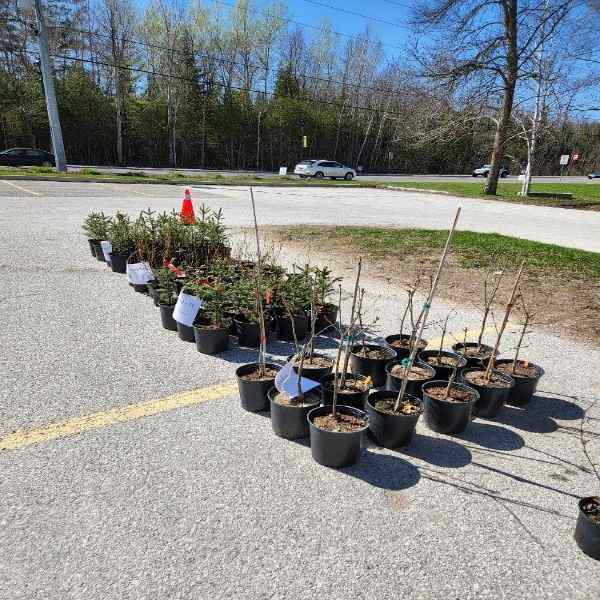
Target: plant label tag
[
  {"x": 106, "y": 249},
  {"x": 139, "y": 273},
  {"x": 283, "y": 170},
  {"x": 286, "y": 381},
  {"x": 187, "y": 308}
]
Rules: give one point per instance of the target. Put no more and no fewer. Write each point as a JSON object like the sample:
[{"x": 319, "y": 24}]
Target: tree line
[{"x": 234, "y": 86}]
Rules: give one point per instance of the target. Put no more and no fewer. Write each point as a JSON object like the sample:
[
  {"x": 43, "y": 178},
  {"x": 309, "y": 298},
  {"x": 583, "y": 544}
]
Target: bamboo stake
[
  {"x": 425, "y": 312},
  {"x": 259, "y": 301},
  {"x": 509, "y": 307}
]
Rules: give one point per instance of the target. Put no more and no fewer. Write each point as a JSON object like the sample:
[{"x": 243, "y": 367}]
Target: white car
[
  {"x": 324, "y": 168},
  {"x": 485, "y": 171}
]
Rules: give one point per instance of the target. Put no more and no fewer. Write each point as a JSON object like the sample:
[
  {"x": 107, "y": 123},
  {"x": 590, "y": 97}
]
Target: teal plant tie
[
  {"x": 426, "y": 306},
  {"x": 405, "y": 362}
]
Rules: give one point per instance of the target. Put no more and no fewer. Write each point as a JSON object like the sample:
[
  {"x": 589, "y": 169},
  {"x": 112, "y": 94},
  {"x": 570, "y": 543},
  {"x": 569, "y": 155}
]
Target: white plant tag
[
  {"x": 139, "y": 273},
  {"x": 283, "y": 170},
  {"x": 286, "y": 381},
  {"x": 106, "y": 249},
  {"x": 187, "y": 308}
]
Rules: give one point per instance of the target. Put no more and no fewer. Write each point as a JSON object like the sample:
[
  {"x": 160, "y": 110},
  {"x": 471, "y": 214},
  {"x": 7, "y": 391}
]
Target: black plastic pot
[
  {"x": 333, "y": 448},
  {"x": 166, "y": 317},
  {"x": 153, "y": 292},
  {"x": 285, "y": 327},
  {"x": 248, "y": 334},
  {"x": 491, "y": 400},
  {"x": 473, "y": 361},
  {"x": 391, "y": 430},
  {"x": 98, "y": 252},
  {"x": 314, "y": 373},
  {"x": 118, "y": 262},
  {"x": 185, "y": 333},
  {"x": 326, "y": 319},
  {"x": 253, "y": 394},
  {"x": 289, "y": 421},
  {"x": 587, "y": 533},
  {"x": 525, "y": 387},
  {"x": 444, "y": 416},
  {"x": 413, "y": 387},
  {"x": 371, "y": 367},
  {"x": 400, "y": 351},
  {"x": 442, "y": 371},
  {"x": 93, "y": 244},
  {"x": 141, "y": 288},
  {"x": 211, "y": 341},
  {"x": 354, "y": 399}
]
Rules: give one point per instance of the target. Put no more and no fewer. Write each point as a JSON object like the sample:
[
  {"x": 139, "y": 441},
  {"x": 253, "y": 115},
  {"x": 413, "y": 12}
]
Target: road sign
[
  {"x": 564, "y": 159},
  {"x": 283, "y": 170}
]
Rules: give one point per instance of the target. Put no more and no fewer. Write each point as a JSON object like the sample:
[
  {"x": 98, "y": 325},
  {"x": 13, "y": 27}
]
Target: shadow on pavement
[
  {"x": 492, "y": 436},
  {"x": 527, "y": 420},
  {"x": 384, "y": 471},
  {"x": 557, "y": 408},
  {"x": 438, "y": 451}
]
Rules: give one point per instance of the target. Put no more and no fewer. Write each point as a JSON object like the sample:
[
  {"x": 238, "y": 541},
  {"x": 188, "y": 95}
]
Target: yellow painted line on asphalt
[
  {"x": 18, "y": 187},
  {"x": 457, "y": 337},
  {"x": 77, "y": 425}
]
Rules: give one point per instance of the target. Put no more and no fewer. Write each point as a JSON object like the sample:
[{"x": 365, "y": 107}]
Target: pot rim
[
  {"x": 587, "y": 517},
  {"x": 357, "y": 412},
  {"x": 414, "y": 400},
  {"x": 294, "y": 406},
  {"x": 531, "y": 364},
  {"x": 374, "y": 346},
  {"x": 504, "y": 376},
  {"x": 256, "y": 364},
  {"x": 444, "y": 353},
  {"x": 444, "y": 382},
  {"x": 329, "y": 378},
  {"x": 404, "y": 336},
  {"x": 393, "y": 363}
]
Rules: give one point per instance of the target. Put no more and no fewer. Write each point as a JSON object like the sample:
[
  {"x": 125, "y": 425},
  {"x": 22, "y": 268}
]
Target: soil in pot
[
  {"x": 526, "y": 376},
  {"x": 401, "y": 344},
  {"x": 391, "y": 428},
  {"x": 166, "y": 316},
  {"x": 473, "y": 352},
  {"x": 493, "y": 393},
  {"x": 587, "y": 530},
  {"x": 444, "y": 363},
  {"x": 210, "y": 339},
  {"x": 354, "y": 393},
  {"x": 286, "y": 332},
  {"x": 418, "y": 374},
  {"x": 336, "y": 441},
  {"x": 450, "y": 413},
  {"x": 370, "y": 360},
  {"x": 288, "y": 417},
  {"x": 315, "y": 366},
  {"x": 254, "y": 384}
]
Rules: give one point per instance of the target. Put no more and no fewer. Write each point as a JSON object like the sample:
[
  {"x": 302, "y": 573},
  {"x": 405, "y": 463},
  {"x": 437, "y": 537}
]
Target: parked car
[
  {"x": 26, "y": 157},
  {"x": 594, "y": 175},
  {"x": 485, "y": 171},
  {"x": 324, "y": 168}
]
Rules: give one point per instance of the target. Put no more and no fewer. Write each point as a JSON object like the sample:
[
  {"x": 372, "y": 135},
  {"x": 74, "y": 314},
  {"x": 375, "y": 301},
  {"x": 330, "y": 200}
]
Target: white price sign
[
  {"x": 187, "y": 308},
  {"x": 564, "y": 159},
  {"x": 283, "y": 170},
  {"x": 139, "y": 273},
  {"x": 106, "y": 249}
]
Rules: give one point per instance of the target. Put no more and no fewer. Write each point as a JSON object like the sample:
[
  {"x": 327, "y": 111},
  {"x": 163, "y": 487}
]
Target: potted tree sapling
[
  {"x": 293, "y": 295},
  {"x": 493, "y": 386},
  {"x": 525, "y": 373},
  {"x": 394, "y": 413},
  {"x": 246, "y": 317},
  {"x": 336, "y": 430},
  {"x": 444, "y": 362},
  {"x": 211, "y": 332},
  {"x": 257, "y": 378},
  {"x": 448, "y": 405},
  {"x": 478, "y": 352},
  {"x": 120, "y": 237},
  {"x": 95, "y": 227},
  {"x": 402, "y": 342},
  {"x": 165, "y": 296},
  {"x": 326, "y": 310}
]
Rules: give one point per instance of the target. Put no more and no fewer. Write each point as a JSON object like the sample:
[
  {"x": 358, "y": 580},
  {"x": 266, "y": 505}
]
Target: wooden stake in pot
[{"x": 425, "y": 312}]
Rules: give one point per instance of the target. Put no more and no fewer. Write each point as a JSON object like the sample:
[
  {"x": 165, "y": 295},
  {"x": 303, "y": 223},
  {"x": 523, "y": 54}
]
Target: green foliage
[
  {"x": 96, "y": 226},
  {"x": 120, "y": 234},
  {"x": 324, "y": 285}
]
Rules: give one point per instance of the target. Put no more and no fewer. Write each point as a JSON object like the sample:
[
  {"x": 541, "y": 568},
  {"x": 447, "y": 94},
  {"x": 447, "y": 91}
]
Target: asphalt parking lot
[{"x": 106, "y": 494}]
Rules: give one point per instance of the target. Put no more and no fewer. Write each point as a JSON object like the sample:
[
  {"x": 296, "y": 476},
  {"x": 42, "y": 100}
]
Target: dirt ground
[{"x": 558, "y": 302}]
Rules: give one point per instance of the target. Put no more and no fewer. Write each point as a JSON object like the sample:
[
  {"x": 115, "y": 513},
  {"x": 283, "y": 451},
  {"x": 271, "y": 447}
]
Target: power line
[
  {"x": 400, "y": 4},
  {"x": 355, "y": 14}
]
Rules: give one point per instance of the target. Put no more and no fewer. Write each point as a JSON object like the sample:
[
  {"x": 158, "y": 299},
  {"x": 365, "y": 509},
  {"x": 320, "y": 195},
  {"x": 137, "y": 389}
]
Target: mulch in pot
[
  {"x": 455, "y": 394},
  {"x": 344, "y": 423}
]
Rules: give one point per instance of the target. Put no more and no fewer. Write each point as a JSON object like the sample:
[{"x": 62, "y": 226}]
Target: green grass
[
  {"x": 584, "y": 194},
  {"x": 472, "y": 249}
]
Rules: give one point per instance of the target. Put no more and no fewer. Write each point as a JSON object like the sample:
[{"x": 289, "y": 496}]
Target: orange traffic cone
[{"x": 187, "y": 210}]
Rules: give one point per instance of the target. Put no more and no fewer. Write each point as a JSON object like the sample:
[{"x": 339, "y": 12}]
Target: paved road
[
  {"x": 365, "y": 177},
  {"x": 202, "y": 501}
]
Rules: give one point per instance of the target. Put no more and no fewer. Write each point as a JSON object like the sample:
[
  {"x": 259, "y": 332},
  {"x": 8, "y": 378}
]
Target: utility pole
[{"x": 53, "y": 118}]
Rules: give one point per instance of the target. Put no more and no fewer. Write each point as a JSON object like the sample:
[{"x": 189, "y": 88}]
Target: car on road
[
  {"x": 485, "y": 171},
  {"x": 26, "y": 157},
  {"x": 594, "y": 175},
  {"x": 324, "y": 168}
]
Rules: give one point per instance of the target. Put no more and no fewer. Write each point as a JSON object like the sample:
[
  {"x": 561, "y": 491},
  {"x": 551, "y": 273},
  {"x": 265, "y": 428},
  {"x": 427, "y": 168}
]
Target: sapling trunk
[
  {"x": 451, "y": 381},
  {"x": 488, "y": 302},
  {"x": 508, "y": 310},
  {"x": 349, "y": 337},
  {"x": 262, "y": 351},
  {"x": 425, "y": 312},
  {"x": 522, "y": 336},
  {"x": 439, "y": 355}
]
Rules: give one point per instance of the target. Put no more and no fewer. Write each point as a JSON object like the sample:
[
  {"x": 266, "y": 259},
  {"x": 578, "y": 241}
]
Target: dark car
[
  {"x": 26, "y": 157},
  {"x": 594, "y": 175}
]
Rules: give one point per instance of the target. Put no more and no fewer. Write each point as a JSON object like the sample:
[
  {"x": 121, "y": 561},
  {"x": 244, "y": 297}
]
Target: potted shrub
[
  {"x": 397, "y": 371},
  {"x": 326, "y": 311},
  {"x": 95, "y": 226},
  {"x": 336, "y": 431},
  {"x": 448, "y": 406},
  {"x": 293, "y": 296},
  {"x": 393, "y": 427},
  {"x": 444, "y": 362},
  {"x": 587, "y": 530},
  {"x": 246, "y": 316},
  {"x": 166, "y": 304},
  {"x": 211, "y": 332},
  {"x": 120, "y": 236}
]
